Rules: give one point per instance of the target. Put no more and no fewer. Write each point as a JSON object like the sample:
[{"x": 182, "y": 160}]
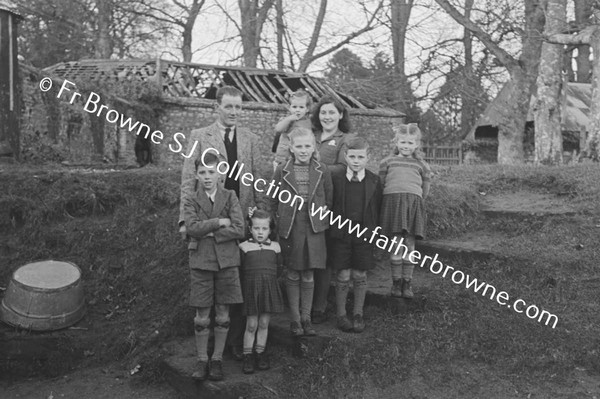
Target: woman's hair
[
  {"x": 344, "y": 124},
  {"x": 410, "y": 130},
  {"x": 301, "y": 93}
]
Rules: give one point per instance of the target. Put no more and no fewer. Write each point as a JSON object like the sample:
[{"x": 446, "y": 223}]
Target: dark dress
[{"x": 260, "y": 263}]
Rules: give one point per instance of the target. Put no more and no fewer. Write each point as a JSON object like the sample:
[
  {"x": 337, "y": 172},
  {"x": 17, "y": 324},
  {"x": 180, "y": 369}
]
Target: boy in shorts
[
  {"x": 357, "y": 194},
  {"x": 214, "y": 221}
]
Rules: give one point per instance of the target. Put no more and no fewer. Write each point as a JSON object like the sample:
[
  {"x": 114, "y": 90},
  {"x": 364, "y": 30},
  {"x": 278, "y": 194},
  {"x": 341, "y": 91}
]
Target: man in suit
[{"x": 235, "y": 143}]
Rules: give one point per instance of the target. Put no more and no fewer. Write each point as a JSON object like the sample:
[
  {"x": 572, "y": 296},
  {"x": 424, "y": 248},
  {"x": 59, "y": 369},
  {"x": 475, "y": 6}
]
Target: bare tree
[
  {"x": 523, "y": 73},
  {"x": 104, "y": 48},
  {"x": 253, "y": 16},
  {"x": 589, "y": 35},
  {"x": 547, "y": 108},
  {"x": 178, "y": 13},
  {"x": 309, "y": 55},
  {"x": 400, "y": 15}
]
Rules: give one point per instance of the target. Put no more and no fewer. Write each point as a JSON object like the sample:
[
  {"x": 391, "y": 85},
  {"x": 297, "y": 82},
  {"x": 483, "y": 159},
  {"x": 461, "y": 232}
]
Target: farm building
[
  {"x": 61, "y": 129},
  {"x": 481, "y": 143}
]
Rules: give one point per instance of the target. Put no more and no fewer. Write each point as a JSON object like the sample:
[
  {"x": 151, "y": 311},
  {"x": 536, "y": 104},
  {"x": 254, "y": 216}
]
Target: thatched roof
[
  {"x": 575, "y": 110},
  {"x": 179, "y": 79},
  {"x": 10, "y": 6}
]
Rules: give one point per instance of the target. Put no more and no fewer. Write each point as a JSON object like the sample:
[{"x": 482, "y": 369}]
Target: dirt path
[{"x": 96, "y": 383}]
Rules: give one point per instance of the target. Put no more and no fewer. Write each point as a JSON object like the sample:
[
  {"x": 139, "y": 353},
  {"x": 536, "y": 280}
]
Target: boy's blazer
[
  {"x": 320, "y": 193},
  {"x": 202, "y": 223},
  {"x": 248, "y": 153},
  {"x": 373, "y": 196}
]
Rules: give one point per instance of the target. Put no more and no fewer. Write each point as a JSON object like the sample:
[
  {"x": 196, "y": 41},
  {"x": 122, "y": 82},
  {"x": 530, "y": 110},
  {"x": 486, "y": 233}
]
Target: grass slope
[{"x": 120, "y": 228}]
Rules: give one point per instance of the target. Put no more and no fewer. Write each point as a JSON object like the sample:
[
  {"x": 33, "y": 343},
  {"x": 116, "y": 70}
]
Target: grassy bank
[{"x": 120, "y": 229}]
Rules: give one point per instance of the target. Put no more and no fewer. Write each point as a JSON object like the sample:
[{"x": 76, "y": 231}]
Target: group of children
[{"x": 306, "y": 242}]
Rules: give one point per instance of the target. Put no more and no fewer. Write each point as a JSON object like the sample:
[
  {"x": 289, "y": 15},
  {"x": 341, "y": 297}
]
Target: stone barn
[
  {"x": 168, "y": 98},
  {"x": 481, "y": 143}
]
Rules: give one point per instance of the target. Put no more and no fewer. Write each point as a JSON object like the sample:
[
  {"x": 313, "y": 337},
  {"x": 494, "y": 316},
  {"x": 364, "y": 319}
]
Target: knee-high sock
[
  {"x": 407, "y": 270},
  {"x": 293, "y": 293},
  {"x": 261, "y": 339},
  {"x": 360, "y": 291},
  {"x": 202, "y": 344},
  {"x": 307, "y": 289},
  {"x": 341, "y": 295},
  {"x": 220, "y": 338},
  {"x": 396, "y": 266},
  {"x": 248, "y": 341}
]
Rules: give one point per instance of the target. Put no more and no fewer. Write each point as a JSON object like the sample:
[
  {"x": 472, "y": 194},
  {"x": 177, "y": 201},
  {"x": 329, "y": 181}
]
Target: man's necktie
[
  {"x": 228, "y": 135},
  {"x": 354, "y": 176}
]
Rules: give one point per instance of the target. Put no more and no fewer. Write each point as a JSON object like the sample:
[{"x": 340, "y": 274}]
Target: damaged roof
[{"x": 180, "y": 79}]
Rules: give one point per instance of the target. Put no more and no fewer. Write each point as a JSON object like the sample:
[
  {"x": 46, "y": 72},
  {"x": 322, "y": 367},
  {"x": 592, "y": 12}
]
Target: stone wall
[
  {"x": 56, "y": 131},
  {"x": 183, "y": 115},
  {"x": 53, "y": 130}
]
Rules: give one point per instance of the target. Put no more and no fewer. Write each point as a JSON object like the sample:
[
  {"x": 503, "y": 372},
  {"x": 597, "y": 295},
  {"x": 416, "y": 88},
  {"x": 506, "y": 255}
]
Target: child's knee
[
  {"x": 201, "y": 321},
  {"x": 343, "y": 276},
  {"x": 359, "y": 275},
  {"x": 222, "y": 316},
  {"x": 263, "y": 323},
  {"x": 293, "y": 275},
  {"x": 307, "y": 276},
  {"x": 251, "y": 324}
]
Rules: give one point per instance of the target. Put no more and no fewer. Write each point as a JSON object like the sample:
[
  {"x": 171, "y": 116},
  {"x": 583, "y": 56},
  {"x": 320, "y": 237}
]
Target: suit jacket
[
  {"x": 373, "y": 196},
  {"x": 202, "y": 224},
  {"x": 248, "y": 154},
  {"x": 320, "y": 193}
]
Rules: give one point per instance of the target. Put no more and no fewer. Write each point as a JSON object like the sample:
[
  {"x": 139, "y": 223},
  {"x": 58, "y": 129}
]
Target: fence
[{"x": 442, "y": 154}]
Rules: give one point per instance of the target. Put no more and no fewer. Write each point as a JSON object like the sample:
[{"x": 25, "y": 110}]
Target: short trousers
[
  {"x": 208, "y": 288},
  {"x": 350, "y": 253}
]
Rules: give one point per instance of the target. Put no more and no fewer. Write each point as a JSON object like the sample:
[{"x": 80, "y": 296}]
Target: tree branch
[
  {"x": 503, "y": 56},
  {"x": 308, "y": 58},
  {"x": 583, "y": 37}
]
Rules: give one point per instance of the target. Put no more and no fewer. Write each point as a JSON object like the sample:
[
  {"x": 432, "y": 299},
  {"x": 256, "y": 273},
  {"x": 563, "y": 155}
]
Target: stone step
[
  {"x": 470, "y": 246},
  {"x": 526, "y": 204},
  {"x": 178, "y": 366}
]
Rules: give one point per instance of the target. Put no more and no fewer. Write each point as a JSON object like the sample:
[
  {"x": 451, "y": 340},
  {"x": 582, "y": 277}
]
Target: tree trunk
[
  {"x": 583, "y": 17},
  {"x": 279, "y": 8},
  {"x": 547, "y": 109},
  {"x": 523, "y": 76},
  {"x": 253, "y": 18},
  {"x": 592, "y": 146},
  {"x": 400, "y": 11},
  {"x": 104, "y": 46},
  {"x": 186, "y": 47},
  {"x": 468, "y": 101}
]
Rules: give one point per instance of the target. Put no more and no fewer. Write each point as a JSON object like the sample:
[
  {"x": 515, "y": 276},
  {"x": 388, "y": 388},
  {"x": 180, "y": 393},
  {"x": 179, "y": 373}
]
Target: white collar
[
  {"x": 211, "y": 196},
  {"x": 350, "y": 173},
  {"x": 222, "y": 129}
]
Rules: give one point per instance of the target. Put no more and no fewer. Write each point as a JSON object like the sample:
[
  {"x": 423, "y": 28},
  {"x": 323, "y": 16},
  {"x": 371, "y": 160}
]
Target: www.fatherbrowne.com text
[{"x": 435, "y": 266}]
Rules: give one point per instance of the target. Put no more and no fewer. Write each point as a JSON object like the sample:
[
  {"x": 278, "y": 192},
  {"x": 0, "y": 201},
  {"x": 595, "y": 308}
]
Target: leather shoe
[
  {"x": 237, "y": 352},
  {"x": 248, "y": 367},
  {"x": 200, "y": 370},
  {"x": 262, "y": 361},
  {"x": 215, "y": 370}
]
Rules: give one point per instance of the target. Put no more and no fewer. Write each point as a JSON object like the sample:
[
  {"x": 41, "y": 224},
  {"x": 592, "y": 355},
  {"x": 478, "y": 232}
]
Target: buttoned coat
[
  {"x": 202, "y": 223},
  {"x": 248, "y": 154},
  {"x": 320, "y": 193},
  {"x": 373, "y": 195}
]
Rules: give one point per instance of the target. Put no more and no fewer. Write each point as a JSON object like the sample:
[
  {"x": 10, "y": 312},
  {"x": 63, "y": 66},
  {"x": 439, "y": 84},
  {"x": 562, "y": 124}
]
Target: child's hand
[
  {"x": 183, "y": 232},
  {"x": 293, "y": 118},
  {"x": 225, "y": 222},
  {"x": 251, "y": 210}
]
